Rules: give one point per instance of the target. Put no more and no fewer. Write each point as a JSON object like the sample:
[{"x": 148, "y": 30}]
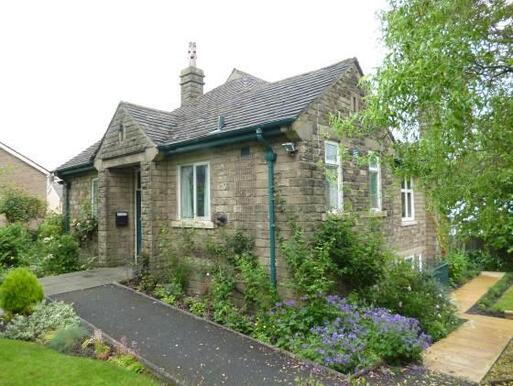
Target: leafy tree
[{"x": 446, "y": 90}]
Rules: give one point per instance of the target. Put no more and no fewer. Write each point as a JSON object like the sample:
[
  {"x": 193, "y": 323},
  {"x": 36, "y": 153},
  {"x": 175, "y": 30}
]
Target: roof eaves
[{"x": 26, "y": 160}]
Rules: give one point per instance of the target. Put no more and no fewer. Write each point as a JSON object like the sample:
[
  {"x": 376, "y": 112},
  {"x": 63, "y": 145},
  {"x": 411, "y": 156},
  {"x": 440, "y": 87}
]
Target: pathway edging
[{"x": 462, "y": 353}]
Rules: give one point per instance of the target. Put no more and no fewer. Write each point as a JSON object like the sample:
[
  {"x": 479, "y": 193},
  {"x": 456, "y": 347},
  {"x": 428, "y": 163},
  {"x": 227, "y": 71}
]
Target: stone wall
[
  {"x": 134, "y": 141},
  {"x": 80, "y": 197},
  {"x": 239, "y": 187},
  {"x": 313, "y": 126}
]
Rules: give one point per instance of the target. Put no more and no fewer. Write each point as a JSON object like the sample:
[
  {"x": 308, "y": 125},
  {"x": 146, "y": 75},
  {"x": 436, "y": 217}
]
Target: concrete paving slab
[
  {"x": 471, "y": 350},
  {"x": 74, "y": 281}
]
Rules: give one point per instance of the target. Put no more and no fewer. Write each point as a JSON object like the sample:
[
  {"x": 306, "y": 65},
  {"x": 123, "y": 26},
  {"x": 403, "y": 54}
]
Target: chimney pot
[{"x": 191, "y": 78}]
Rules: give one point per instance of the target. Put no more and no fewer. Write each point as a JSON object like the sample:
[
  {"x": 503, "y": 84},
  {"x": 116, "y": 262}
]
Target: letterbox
[{"x": 121, "y": 218}]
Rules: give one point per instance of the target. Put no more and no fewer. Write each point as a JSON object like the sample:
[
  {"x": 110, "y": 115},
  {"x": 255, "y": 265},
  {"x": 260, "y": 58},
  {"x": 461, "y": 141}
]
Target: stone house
[
  {"x": 19, "y": 171},
  {"x": 233, "y": 158}
]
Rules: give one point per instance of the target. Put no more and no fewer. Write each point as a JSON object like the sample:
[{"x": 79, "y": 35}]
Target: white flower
[{"x": 400, "y": 304}]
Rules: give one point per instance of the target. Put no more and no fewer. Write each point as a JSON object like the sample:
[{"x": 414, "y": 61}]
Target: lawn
[
  {"x": 24, "y": 363},
  {"x": 505, "y": 302}
]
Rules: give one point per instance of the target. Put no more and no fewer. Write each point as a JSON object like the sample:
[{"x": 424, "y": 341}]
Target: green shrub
[
  {"x": 169, "y": 293},
  {"x": 20, "y": 292},
  {"x": 85, "y": 225},
  {"x": 52, "y": 226},
  {"x": 61, "y": 254},
  {"x": 406, "y": 291},
  {"x": 15, "y": 241},
  {"x": 68, "y": 339},
  {"x": 259, "y": 294},
  {"x": 47, "y": 317},
  {"x": 18, "y": 206},
  {"x": 359, "y": 260},
  {"x": 461, "y": 268},
  {"x": 224, "y": 312},
  {"x": 197, "y": 305},
  {"x": 311, "y": 266}
]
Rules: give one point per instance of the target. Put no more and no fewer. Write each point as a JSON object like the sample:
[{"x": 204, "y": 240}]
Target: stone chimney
[{"x": 191, "y": 78}]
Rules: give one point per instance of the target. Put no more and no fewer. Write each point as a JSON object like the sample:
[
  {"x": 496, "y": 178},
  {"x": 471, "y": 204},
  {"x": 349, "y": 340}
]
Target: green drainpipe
[
  {"x": 270, "y": 157},
  {"x": 67, "y": 186}
]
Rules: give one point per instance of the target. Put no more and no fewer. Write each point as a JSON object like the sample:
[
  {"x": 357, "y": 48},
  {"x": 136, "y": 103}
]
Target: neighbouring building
[
  {"x": 21, "y": 172},
  {"x": 213, "y": 163}
]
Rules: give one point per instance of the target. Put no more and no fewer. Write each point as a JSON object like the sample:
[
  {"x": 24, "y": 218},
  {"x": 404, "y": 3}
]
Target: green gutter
[
  {"x": 270, "y": 157},
  {"x": 82, "y": 168},
  {"x": 224, "y": 138}
]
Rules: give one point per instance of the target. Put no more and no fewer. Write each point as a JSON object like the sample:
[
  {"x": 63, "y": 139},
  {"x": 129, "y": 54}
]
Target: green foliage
[
  {"x": 169, "y": 293},
  {"x": 311, "y": 266},
  {"x": 197, "y": 305},
  {"x": 360, "y": 260},
  {"x": 20, "y": 292},
  {"x": 52, "y": 226},
  {"x": 47, "y": 317},
  {"x": 290, "y": 321},
  {"x": 128, "y": 362},
  {"x": 259, "y": 294},
  {"x": 487, "y": 302},
  {"x": 68, "y": 339},
  {"x": 60, "y": 254},
  {"x": 101, "y": 349},
  {"x": 14, "y": 243},
  {"x": 229, "y": 246},
  {"x": 461, "y": 268},
  {"x": 224, "y": 311},
  {"x": 18, "y": 206},
  {"x": 85, "y": 225},
  {"x": 406, "y": 291},
  {"x": 448, "y": 75}
]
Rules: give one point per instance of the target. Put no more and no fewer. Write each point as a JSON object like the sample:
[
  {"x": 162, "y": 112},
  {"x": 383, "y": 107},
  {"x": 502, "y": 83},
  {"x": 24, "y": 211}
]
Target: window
[
  {"x": 354, "y": 103},
  {"x": 416, "y": 261},
  {"x": 121, "y": 132},
  {"x": 374, "y": 183},
  {"x": 408, "y": 209},
  {"x": 194, "y": 191},
  {"x": 333, "y": 175},
  {"x": 94, "y": 197}
]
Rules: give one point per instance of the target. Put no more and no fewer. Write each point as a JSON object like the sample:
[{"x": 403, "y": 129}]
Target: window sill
[
  {"x": 192, "y": 223},
  {"x": 375, "y": 213},
  {"x": 408, "y": 223}
]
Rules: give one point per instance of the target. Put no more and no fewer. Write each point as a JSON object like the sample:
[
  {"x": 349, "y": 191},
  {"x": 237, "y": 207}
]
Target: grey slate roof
[{"x": 243, "y": 100}]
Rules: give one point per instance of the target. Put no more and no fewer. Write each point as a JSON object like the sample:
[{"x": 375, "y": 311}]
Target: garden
[
  {"x": 386, "y": 312},
  {"x": 48, "y": 339}
]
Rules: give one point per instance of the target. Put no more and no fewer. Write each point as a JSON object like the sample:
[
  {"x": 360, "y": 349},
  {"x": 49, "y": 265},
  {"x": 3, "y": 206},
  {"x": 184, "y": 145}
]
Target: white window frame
[
  {"x": 94, "y": 197},
  {"x": 409, "y": 217},
  {"x": 194, "y": 203},
  {"x": 338, "y": 165},
  {"x": 415, "y": 261},
  {"x": 377, "y": 170}
]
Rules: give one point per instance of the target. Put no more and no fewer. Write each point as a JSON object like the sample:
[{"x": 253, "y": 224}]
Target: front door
[{"x": 137, "y": 215}]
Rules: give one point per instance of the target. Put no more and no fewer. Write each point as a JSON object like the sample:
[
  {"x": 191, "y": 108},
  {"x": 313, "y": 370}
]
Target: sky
[{"x": 65, "y": 65}]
